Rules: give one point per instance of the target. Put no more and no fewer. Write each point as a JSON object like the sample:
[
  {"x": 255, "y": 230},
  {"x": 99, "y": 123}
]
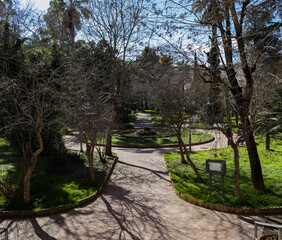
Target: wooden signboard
[{"x": 216, "y": 167}]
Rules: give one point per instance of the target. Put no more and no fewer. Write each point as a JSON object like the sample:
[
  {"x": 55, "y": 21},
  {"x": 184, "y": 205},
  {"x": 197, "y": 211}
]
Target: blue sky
[{"x": 40, "y": 4}]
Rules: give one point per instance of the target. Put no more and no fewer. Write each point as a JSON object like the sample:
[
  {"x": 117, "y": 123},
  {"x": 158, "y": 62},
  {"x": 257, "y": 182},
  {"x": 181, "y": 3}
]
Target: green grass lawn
[
  {"x": 48, "y": 187},
  {"x": 8, "y": 164},
  {"x": 132, "y": 117},
  {"x": 271, "y": 161},
  {"x": 202, "y": 125},
  {"x": 128, "y": 139},
  {"x": 132, "y": 133},
  {"x": 67, "y": 188},
  {"x": 233, "y": 121}
]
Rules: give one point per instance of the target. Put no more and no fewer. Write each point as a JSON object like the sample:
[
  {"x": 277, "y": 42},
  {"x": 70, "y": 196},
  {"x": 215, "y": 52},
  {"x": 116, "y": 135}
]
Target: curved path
[{"x": 139, "y": 203}]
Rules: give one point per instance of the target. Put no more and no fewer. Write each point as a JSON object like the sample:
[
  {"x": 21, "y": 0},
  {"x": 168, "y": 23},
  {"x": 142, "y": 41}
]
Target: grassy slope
[
  {"x": 47, "y": 188},
  {"x": 68, "y": 188},
  {"x": 271, "y": 161},
  {"x": 8, "y": 165}
]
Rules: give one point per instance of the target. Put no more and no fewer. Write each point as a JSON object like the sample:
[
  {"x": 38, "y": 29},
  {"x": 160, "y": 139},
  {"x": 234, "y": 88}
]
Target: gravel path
[{"x": 139, "y": 203}]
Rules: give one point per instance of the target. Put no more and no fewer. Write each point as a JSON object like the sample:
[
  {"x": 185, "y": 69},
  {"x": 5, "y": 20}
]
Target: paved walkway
[
  {"x": 139, "y": 203},
  {"x": 143, "y": 120}
]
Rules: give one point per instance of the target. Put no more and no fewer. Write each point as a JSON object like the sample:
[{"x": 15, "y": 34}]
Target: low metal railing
[
  {"x": 278, "y": 227},
  {"x": 4, "y": 233}
]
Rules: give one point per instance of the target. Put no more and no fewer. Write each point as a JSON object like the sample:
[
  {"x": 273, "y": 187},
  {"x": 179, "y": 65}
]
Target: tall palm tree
[
  {"x": 72, "y": 15},
  {"x": 54, "y": 21}
]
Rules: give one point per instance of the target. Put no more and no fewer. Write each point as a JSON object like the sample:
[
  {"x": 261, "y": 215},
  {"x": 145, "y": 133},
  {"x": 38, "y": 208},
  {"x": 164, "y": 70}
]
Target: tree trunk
[
  {"x": 190, "y": 161},
  {"x": 267, "y": 141},
  {"x": 71, "y": 25},
  {"x": 253, "y": 120},
  {"x": 179, "y": 138},
  {"x": 26, "y": 180},
  {"x": 89, "y": 154},
  {"x": 26, "y": 185},
  {"x": 242, "y": 98},
  {"x": 242, "y": 104},
  {"x": 72, "y": 34},
  {"x": 215, "y": 75},
  {"x": 25, "y": 151},
  {"x": 108, "y": 150},
  {"x": 91, "y": 169},
  {"x": 101, "y": 155},
  {"x": 236, "y": 172},
  {"x": 256, "y": 172},
  {"x": 29, "y": 169},
  {"x": 243, "y": 107},
  {"x": 257, "y": 178},
  {"x": 237, "y": 119},
  {"x": 181, "y": 152}
]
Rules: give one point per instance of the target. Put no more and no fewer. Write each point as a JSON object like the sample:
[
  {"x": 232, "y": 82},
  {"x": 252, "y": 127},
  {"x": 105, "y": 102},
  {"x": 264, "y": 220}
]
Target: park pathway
[
  {"x": 138, "y": 203},
  {"x": 143, "y": 120}
]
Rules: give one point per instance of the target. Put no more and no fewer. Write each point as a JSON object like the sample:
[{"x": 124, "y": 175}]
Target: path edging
[
  {"x": 160, "y": 146},
  {"x": 226, "y": 209},
  {"x": 61, "y": 208}
]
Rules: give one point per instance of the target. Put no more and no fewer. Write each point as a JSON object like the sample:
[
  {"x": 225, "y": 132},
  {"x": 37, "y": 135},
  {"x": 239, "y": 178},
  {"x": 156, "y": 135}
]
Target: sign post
[{"x": 216, "y": 167}]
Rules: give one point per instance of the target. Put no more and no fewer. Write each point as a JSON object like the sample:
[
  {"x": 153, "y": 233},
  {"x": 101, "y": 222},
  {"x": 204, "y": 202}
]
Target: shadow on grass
[
  {"x": 53, "y": 190},
  {"x": 184, "y": 182},
  {"x": 49, "y": 189}
]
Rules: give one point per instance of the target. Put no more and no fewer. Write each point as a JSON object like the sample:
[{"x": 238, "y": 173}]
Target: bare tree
[
  {"x": 88, "y": 110},
  {"x": 229, "y": 21},
  {"x": 228, "y": 16},
  {"x": 28, "y": 100},
  {"x": 176, "y": 96},
  {"x": 116, "y": 22},
  {"x": 224, "y": 123}
]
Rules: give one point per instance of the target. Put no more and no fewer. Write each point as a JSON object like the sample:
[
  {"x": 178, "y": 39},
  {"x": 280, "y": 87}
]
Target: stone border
[
  {"x": 62, "y": 208},
  {"x": 159, "y": 146},
  {"x": 136, "y": 129},
  {"x": 226, "y": 209}
]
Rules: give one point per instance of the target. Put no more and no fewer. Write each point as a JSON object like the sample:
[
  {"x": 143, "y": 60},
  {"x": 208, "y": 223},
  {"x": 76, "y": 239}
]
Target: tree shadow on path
[
  {"x": 157, "y": 173},
  {"x": 134, "y": 215},
  {"x": 39, "y": 231}
]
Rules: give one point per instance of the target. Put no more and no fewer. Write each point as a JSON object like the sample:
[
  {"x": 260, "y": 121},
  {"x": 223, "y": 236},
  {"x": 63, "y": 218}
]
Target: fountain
[{"x": 146, "y": 131}]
